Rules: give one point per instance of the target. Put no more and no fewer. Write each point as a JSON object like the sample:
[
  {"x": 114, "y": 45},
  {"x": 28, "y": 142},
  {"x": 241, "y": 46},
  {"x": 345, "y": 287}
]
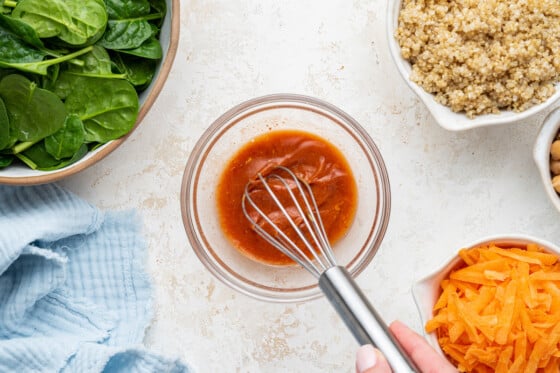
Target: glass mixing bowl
[{"x": 232, "y": 131}]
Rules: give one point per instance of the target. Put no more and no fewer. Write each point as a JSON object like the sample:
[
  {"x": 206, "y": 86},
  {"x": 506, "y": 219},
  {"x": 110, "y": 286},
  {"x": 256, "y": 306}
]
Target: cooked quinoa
[{"x": 482, "y": 57}]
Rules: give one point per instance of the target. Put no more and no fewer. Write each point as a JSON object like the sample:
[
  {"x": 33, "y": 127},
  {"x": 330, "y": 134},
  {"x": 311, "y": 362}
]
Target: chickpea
[
  {"x": 556, "y": 183},
  {"x": 555, "y": 150},
  {"x": 555, "y": 167}
]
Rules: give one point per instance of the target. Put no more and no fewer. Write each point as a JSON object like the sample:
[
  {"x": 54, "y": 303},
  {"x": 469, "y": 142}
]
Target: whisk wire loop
[
  {"x": 315, "y": 216},
  {"x": 281, "y": 242},
  {"x": 316, "y": 240},
  {"x": 312, "y": 229}
]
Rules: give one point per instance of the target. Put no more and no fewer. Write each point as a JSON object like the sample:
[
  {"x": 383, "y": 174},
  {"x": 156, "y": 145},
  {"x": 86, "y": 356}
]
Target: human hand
[{"x": 371, "y": 360}]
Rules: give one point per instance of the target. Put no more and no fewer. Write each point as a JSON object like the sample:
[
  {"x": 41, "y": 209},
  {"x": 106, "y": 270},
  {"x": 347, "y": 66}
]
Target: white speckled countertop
[{"x": 448, "y": 189}]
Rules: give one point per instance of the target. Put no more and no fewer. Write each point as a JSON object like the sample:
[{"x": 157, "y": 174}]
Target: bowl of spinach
[{"x": 76, "y": 78}]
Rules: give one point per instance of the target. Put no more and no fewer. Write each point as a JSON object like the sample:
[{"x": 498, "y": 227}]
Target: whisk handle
[{"x": 361, "y": 318}]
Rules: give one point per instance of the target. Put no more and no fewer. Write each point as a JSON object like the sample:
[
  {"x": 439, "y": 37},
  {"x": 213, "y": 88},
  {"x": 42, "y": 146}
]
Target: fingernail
[{"x": 366, "y": 358}]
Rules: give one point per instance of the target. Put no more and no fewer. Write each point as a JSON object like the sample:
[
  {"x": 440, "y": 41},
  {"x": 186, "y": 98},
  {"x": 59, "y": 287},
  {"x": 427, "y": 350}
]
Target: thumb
[{"x": 371, "y": 360}]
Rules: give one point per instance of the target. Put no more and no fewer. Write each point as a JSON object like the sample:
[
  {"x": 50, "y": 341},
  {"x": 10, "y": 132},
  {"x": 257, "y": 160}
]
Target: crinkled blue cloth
[{"x": 74, "y": 296}]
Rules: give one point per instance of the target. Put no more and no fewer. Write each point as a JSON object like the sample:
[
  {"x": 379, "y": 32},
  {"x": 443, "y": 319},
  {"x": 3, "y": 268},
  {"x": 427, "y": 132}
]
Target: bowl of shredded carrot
[{"x": 495, "y": 306}]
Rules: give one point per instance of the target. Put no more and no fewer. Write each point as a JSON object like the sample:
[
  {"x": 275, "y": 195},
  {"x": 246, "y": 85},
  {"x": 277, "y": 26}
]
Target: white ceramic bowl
[
  {"x": 443, "y": 115},
  {"x": 427, "y": 290},
  {"x": 541, "y": 153},
  {"x": 169, "y": 38}
]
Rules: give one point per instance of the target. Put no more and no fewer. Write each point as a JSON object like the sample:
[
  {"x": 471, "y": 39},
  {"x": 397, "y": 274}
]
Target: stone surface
[{"x": 448, "y": 188}]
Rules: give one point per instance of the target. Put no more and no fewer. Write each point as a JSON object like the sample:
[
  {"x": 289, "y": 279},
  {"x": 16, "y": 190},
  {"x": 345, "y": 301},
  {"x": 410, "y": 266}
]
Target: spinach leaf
[
  {"x": 96, "y": 63},
  {"x": 159, "y": 5},
  {"x": 64, "y": 85},
  {"x": 161, "y": 8},
  {"x": 37, "y": 158},
  {"x": 126, "y": 33},
  {"x": 18, "y": 55},
  {"x": 15, "y": 50},
  {"x": 74, "y": 21},
  {"x": 107, "y": 107},
  {"x": 89, "y": 19},
  {"x": 48, "y": 17},
  {"x": 138, "y": 71},
  {"x": 151, "y": 49},
  {"x": 34, "y": 113},
  {"x": 5, "y": 139},
  {"x": 5, "y": 160},
  {"x": 6, "y": 72},
  {"x": 122, "y": 9},
  {"x": 48, "y": 81},
  {"x": 21, "y": 30},
  {"x": 67, "y": 140}
]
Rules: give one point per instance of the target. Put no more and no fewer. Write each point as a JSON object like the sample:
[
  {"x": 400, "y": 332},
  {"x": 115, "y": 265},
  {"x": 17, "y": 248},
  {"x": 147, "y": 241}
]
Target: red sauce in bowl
[{"x": 313, "y": 160}]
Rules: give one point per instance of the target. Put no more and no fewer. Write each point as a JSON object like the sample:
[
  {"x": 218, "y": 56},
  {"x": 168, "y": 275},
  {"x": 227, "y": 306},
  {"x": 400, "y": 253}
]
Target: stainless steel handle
[{"x": 361, "y": 318}]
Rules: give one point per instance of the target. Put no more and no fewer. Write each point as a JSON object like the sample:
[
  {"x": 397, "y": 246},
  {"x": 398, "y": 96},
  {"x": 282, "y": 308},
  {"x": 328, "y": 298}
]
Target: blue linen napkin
[{"x": 74, "y": 296}]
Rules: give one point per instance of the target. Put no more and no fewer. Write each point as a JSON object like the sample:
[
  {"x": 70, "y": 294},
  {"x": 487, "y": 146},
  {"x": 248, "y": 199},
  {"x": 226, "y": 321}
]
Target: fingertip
[
  {"x": 371, "y": 360},
  {"x": 397, "y": 324},
  {"x": 402, "y": 332},
  {"x": 419, "y": 350},
  {"x": 366, "y": 358}
]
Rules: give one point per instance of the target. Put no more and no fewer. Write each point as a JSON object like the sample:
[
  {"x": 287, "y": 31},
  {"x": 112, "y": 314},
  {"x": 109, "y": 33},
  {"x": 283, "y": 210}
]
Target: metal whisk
[{"x": 351, "y": 304}]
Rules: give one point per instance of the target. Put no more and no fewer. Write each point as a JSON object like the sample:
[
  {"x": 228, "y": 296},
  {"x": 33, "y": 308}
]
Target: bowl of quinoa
[{"x": 478, "y": 63}]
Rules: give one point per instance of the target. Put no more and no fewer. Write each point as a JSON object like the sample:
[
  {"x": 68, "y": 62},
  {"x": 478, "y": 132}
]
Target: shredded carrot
[{"x": 499, "y": 310}]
